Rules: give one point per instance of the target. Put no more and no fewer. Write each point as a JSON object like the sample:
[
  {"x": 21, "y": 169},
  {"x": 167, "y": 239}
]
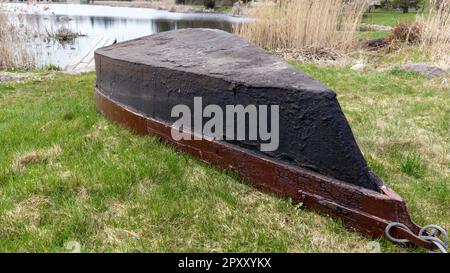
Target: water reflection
[{"x": 104, "y": 22}]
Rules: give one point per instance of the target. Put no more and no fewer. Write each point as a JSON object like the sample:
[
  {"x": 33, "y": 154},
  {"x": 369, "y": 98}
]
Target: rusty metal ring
[
  {"x": 437, "y": 242},
  {"x": 397, "y": 225},
  {"x": 433, "y": 233},
  {"x": 430, "y": 233},
  {"x": 436, "y": 232},
  {"x": 440, "y": 247}
]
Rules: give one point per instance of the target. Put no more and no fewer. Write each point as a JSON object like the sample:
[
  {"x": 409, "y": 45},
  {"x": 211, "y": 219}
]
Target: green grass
[
  {"x": 219, "y": 9},
  {"x": 68, "y": 174},
  {"x": 224, "y": 9},
  {"x": 369, "y": 35},
  {"x": 388, "y": 17},
  {"x": 388, "y": 57},
  {"x": 413, "y": 165}
]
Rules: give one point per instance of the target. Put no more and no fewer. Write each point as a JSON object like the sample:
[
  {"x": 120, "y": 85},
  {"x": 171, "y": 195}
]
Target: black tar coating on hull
[{"x": 153, "y": 74}]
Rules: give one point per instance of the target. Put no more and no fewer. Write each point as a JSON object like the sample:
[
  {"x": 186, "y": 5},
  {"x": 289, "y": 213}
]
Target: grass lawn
[
  {"x": 68, "y": 174},
  {"x": 224, "y": 9},
  {"x": 219, "y": 9},
  {"x": 388, "y": 17}
]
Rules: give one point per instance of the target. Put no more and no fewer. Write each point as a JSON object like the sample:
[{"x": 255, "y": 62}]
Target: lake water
[{"x": 101, "y": 21}]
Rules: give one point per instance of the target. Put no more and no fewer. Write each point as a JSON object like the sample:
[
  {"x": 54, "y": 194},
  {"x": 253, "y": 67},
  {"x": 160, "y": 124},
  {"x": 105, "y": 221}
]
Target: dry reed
[
  {"x": 436, "y": 33},
  {"x": 13, "y": 48},
  {"x": 304, "y": 23}
]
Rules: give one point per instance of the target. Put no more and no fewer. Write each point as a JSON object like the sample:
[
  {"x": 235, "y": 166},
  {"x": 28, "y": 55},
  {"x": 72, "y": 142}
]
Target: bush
[
  {"x": 209, "y": 4},
  {"x": 406, "y": 32},
  {"x": 404, "y": 5}
]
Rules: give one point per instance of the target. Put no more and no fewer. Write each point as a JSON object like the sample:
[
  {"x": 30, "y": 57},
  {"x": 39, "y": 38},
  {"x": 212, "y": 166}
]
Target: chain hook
[{"x": 430, "y": 233}]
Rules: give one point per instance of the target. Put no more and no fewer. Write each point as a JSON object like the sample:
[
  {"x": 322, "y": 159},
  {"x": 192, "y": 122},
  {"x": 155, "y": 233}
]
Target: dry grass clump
[
  {"x": 314, "y": 55},
  {"x": 64, "y": 34},
  {"x": 436, "y": 34},
  {"x": 13, "y": 49},
  {"x": 304, "y": 23},
  {"x": 36, "y": 157}
]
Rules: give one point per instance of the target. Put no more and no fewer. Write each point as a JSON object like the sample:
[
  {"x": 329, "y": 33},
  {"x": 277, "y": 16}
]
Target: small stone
[
  {"x": 426, "y": 70},
  {"x": 359, "y": 67}
]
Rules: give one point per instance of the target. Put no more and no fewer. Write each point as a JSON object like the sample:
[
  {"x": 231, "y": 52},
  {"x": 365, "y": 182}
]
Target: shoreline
[
  {"x": 158, "y": 5},
  {"x": 115, "y": 9}
]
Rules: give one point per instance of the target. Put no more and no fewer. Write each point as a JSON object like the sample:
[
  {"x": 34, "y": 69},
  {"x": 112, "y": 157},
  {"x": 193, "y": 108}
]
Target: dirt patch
[
  {"x": 370, "y": 27},
  {"x": 13, "y": 77}
]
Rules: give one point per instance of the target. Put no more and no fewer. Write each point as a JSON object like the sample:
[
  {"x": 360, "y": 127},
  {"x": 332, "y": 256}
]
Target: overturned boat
[{"x": 288, "y": 135}]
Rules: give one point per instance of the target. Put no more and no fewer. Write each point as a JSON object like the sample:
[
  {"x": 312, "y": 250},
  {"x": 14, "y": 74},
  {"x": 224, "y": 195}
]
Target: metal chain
[{"x": 431, "y": 233}]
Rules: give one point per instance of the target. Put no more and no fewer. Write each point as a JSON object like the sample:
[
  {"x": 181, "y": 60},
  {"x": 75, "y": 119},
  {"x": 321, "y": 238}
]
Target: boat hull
[{"x": 317, "y": 163}]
